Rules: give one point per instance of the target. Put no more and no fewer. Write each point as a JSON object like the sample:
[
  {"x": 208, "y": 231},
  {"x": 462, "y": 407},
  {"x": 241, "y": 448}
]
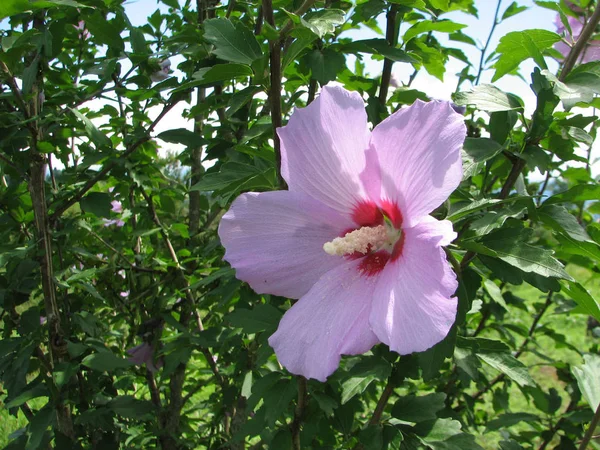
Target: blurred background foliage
[{"x": 123, "y": 328}]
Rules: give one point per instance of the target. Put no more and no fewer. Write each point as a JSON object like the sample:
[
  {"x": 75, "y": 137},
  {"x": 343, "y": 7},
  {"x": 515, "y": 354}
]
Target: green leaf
[
  {"x": 504, "y": 421},
  {"x": 579, "y": 193},
  {"x": 488, "y": 98},
  {"x": 325, "y": 64},
  {"x": 324, "y": 21},
  {"x": 302, "y": 41},
  {"x": 493, "y": 220},
  {"x": 221, "y": 72},
  {"x": 380, "y": 47},
  {"x": 413, "y": 408},
  {"x": 182, "y": 136},
  {"x": 105, "y": 361},
  {"x": 277, "y": 399},
  {"x": 326, "y": 403},
  {"x": 425, "y": 26},
  {"x": 477, "y": 151},
  {"x": 498, "y": 355},
  {"x": 38, "y": 426},
  {"x": 232, "y": 173},
  {"x": 588, "y": 379},
  {"x": 138, "y": 41},
  {"x": 585, "y": 76},
  {"x": 511, "y": 247},
  {"x": 263, "y": 317},
  {"x": 438, "y": 430},
  {"x": 236, "y": 44},
  {"x": 587, "y": 304},
  {"x": 97, "y": 203},
  {"x": 39, "y": 390},
  {"x": 13, "y": 7},
  {"x": 355, "y": 386},
  {"x": 559, "y": 219},
  {"x": 240, "y": 99},
  {"x": 517, "y": 46},
  {"x": 130, "y": 407},
  {"x": 105, "y": 31},
  {"x": 99, "y": 139},
  {"x": 513, "y": 9},
  {"x": 462, "y": 209}
]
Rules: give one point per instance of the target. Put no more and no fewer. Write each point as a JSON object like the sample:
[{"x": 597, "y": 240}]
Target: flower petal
[
  {"x": 331, "y": 320},
  {"x": 413, "y": 308},
  {"x": 418, "y": 152},
  {"x": 275, "y": 240},
  {"x": 322, "y": 148}
]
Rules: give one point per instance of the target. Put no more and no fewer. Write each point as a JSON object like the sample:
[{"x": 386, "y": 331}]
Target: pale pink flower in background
[
  {"x": 163, "y": 73},
  {"x": 591, "y": 52},
  {"x": 352, "y": 238},
  {"x": 83, "y": 31},
  {"x": 110, "y": 222},
  {"x": 144, "y": 354},
  {"x": 116, "y": 206}
]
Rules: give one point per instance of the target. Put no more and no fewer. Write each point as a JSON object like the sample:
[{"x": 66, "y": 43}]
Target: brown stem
[
  {"x": 382, "y": 403},
  {"x": 391, "y": 35},
  {"x": 312, "y": 89},
  {"x": 590, "y": 431},
  {"x": 299, "y": 413},
  {"x": 582, "y": 41},
  {"x": 275, "y": 88}
]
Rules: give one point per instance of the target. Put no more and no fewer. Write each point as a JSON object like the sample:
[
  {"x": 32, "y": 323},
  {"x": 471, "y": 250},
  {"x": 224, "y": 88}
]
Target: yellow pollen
[{"x": 358, "y": 241}]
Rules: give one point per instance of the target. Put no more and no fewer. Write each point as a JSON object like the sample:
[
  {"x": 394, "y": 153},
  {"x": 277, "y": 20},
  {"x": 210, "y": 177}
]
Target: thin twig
[
  {"x": 487, "y": 43},
  {"x": 110, "y": 165}
]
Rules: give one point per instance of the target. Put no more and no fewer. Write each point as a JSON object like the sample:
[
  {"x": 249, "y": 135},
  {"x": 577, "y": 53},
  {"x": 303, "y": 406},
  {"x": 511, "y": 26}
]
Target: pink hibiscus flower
[
  {"x": 163, "y": 73},
  {"x": 352, "y": 238},
  {"x": 591, "y": 52}
]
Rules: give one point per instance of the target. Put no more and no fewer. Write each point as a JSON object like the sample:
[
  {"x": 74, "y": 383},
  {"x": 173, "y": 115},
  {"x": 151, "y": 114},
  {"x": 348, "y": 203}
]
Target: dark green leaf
[
  {"x": 105, "y": 361},
  {"x": 97, "y": 137},
  {"x": 413, "y": 408},
  {"x": 507, "y": 420},
  {"x": 236, "y": 44},
  {"x": 262, "y": 318},
  {"x": 325, "y": 64},
  {"x": 182, "y": 136},
  {"x": 97, "y": 203},
  {"x": 221, "y": 72}
]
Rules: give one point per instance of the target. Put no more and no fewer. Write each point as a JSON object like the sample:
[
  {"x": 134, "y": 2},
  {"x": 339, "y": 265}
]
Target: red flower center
[{"x": 368, "y": 214}]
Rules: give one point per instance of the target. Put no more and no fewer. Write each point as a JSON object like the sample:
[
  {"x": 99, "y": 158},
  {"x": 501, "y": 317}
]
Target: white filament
[{"x": 362, "y": 240}]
